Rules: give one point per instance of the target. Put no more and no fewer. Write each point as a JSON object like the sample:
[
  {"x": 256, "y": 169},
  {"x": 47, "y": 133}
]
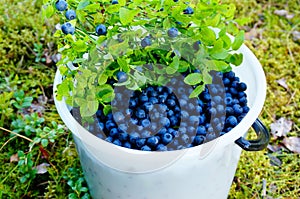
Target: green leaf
[
  {"x": 193, "y": 79},
  {"x": 173, "y": 67},
  {"x": 183, "y": 66},
  {"x": 82, "y": 4},
  {"x": 89, "y": 108},
  {"x": 127, "y": 16},
  {"x": 106, "y": 109},
  {"x": 106, "y": 93},
  {"x": 236, "y": 59},
  {"x": 44, "y": 142},
  {"x": 123, "y": 64},
  {"x": 48, "y": 11},
  {"x": 80, "y": 46},
  {"x": 238, "y": 40},
  {"x": 197, "y": 91},
  {"x": 92, "y": 7},
  {"x": 208, "y": 35},
  {"x": 102, "y": 79}
]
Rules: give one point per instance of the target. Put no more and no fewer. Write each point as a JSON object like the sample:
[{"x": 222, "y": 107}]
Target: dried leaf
[
  {"x": 274, "y": 148},
  {"x": 14, "y": 158},
  {"x": 251, "y": 34},
  {"x": 282, "y": 82},
  {"x": 290, "y": 16},
  {"x": 281, "y": 127},
  {"x": 281, "y": 12},
  {"x": 292, "y": 143},
  {"x": 42, "y": 168},
  {"x": 274, "y": 160}
]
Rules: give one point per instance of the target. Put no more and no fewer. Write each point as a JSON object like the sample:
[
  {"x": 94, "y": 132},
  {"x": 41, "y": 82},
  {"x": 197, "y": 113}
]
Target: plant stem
[{"x": 17, "y": 134}]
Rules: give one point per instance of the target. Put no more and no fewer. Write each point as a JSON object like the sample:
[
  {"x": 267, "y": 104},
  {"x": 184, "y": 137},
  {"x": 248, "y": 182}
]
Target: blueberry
[
  {"x": 182, "y": 102},
  {"x": 140, "y": 113},
  {"x": 167, "y": 138},
  {"x": 230, "y": 75},
  {"x": 162, "y": 98},
  {"x": 188, "y": 11},
  {"x": 70, "y": 14},
  {"x": 201, "y": 130},
  {"x": 152, "y": 141},
  {"x": 145, "y": 148},
  {"x": 162, "y": 131},
  {"x": 143, "y": 98},
  {"x": 242, "y": 86},
  {"x": 117, "y": 142},
  {"x": 229, "y": 111},
  {"x": 61, "y": 5},
  {"x": 145, "y": 134},
  {"x": 173, "y": 32},
  {"x": 153, "y": 100},
  {"x": 161, "y": 147},
  {"x": 233, "y": 91},
  {"x": 140, "y": 142},
  {"x": 243, "y": 101},
  {"x": 232, "y": 121},
  {"x": 153, "y": 126},
  {"x": 109, "y": 124},
  {"x": 118, "y": 117},
  {"x": 146, "y": 42},
  {"x": 127, "y": 145},
  {"x": 114, "y": 2},
  {"x": 185, "y": 138},
  {"x": 113, "y": 132},
  {"x": 202, "y": 119},
  {"x": 101, "y": 125},
  {"x": 237, "y": 109},
  {"x": 171, "y": 102},
  {"x": 122, "y": 76},
  {"x": 199, "y": 139},
  {"x": 123, "y": 136},
  {"x": 162, "y": 108},
  {"x": 134, "y": 121},
  {"x": 246, "y": 109},
  {"x": 193, "y": 120},
  {"x": 196, "y": 45},
  {"x": 164, "y": 121},
  {"x": 226, "y": 81},
  {"x": 128, "y": 112},
  {"x": 145, "y": 123},
  {"x": 67, "y": 28},
  {"x": 132, "y": 103},
  {"x": 109, "y": 139},
  {"x": 206, "y": 97},
  {"x": 220, "y": 109},
  {"x": 191, "y": 130},
  {"x": 123, "y": 127},
  {"x": 133, "y": 137},
  {"x": 101, "y": 29},
  {"x": 148, "y": 106},
  {"x": 170, "y": 113},
  {"x": 228, "y": 101},
  {"x": 173, "y": 121}
]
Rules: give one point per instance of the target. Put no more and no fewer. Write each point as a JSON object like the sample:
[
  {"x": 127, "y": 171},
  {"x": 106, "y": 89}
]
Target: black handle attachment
[{"x": 263, "y": 138}]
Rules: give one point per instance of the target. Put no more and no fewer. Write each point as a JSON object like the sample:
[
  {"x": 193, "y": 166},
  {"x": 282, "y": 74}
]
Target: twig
[
  {"x": 17, "y": 134},
  {"x": 7, "y": 142},
  {"x": 264, "y": 189}
]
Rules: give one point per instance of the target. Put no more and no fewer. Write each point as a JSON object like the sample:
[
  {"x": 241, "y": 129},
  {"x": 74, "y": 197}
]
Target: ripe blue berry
[
  {"x": 242, "y": 86},
  {"x": 123, "y": 136},
  {"x": 232, "y": 121},
  {"x": 109, "y": 139},
  {"x": 164, "y": 121},
  {"x": 152, "y": 141},
  {"x": 161, "y": 147},
  {"x": 113, "y": 132},
  {"x": 173, "y": 32},
  {"x": 146, "y": 42},
  {"x": 167, "y": 138},
  {"x": 70, "y": 14},
  {"x": 145, "y": 123},
  {"x": 237, "y": 109},
  {"x": 145, "y": 148},
  {"x": 199, "y": 139},
  {"x": 140, "y": 142},
  {"x": 122, "y": 76},
  {"x": 114, "y": 2},
  {"x": 201, "y": 130},
  {"x": 61, "y": 5},
  {"x": 188, "y": 11},
  {"x": 101, "y": 29},
  {"x": 67, "y": 28},
  {"x": 127, "y": 145},
  {"x": 119, "y": 117},
  {"x": 140, "y": 113},
  {"x": 117, "y": 142}
]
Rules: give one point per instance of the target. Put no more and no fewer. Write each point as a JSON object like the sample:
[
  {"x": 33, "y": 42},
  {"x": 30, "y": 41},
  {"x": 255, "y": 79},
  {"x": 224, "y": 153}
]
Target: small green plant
[
  {"x": 25, "y": 165},
  {"x": 103, "y": 38},
  {"x": 76, "y": 181}
]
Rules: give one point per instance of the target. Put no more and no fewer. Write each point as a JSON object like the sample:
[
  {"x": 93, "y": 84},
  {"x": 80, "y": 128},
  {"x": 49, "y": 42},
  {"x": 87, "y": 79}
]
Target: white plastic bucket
[{"x": 205, "y": 171}]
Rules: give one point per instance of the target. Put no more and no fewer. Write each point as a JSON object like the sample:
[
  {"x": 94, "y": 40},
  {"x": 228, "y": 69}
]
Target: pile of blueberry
[{"x": 160, "y": 118}]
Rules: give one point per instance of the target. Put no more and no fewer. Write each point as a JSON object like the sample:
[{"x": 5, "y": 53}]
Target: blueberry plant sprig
[{"x": 105, "y": 37}]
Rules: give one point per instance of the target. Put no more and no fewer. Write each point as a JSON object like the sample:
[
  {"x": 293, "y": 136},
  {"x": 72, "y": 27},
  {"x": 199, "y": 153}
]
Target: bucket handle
[{"x": 263, "y": 138}]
